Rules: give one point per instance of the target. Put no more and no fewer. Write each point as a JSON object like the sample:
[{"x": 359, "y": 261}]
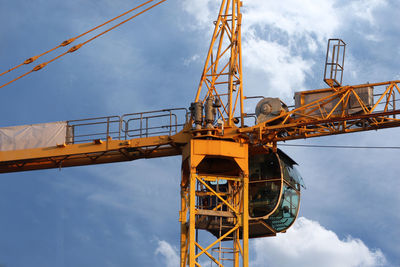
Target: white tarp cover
[{"x": 33, "y": 136}]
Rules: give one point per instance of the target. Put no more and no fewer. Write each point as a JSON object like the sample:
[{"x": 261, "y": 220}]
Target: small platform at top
[{"x": 332, "y": 82}]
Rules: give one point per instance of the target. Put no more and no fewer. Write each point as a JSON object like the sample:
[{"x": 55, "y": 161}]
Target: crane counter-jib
[
  {"x": 92, "y": 141},
  {"x": 96, "y": 152}
]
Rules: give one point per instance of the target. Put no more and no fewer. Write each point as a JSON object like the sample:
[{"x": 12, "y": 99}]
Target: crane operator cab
[{"x": 274, "y": 194}]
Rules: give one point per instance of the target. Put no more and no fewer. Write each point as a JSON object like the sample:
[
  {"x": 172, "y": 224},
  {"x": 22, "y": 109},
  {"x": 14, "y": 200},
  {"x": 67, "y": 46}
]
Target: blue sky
[{"x": 126, "y": 214}]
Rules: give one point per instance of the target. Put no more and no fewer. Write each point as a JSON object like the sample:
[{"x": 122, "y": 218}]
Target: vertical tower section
[
  {"x": 222, "y": 74},
  {"x": 214, "y": 203}
]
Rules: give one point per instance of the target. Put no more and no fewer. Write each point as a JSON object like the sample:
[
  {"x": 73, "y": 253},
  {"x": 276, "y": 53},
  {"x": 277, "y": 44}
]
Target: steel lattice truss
[{"x": 333, "y": 114}]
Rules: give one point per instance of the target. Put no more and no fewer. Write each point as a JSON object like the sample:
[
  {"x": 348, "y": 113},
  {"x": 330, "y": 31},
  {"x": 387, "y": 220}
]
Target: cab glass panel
[{"x": 265, "y": 184}]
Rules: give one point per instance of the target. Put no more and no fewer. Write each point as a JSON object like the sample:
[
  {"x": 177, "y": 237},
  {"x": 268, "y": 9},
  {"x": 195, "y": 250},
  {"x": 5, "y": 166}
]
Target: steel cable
[
  {"x": 76, "y": 47},
  {"x": 341, "y": 146}
]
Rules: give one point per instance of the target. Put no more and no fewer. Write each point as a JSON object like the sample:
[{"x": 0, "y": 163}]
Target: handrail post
[
  {"x": 170, "y": 122},
  {"x": 108, "y": 132},
  {"x": 141, "y": 125}
]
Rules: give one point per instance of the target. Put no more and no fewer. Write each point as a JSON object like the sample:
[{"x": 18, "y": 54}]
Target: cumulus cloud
[
  {"x": 285, "y": 70},
  {"x": 278, "y": 38},
  {"x": 188, "y": 61},
  {"x": 273, "y": 36},
  {"x": 294, "y": 19},
  {"x": 364, "y": 9},
  {"x": 169, "y": 253},
  {"x": 202, "y": 11},
  {"x": 308, "y": 243}
]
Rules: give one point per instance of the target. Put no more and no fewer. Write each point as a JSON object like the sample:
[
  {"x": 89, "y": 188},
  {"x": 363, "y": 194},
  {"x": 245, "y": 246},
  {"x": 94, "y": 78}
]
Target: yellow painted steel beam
[
  {"x": 314, "y": 120},
  {"x": 96, "y": 152},
  {"x": 233, "y": 206},
  {"x": 222, "y": 72},
  {"x": 84, "y": 148}
]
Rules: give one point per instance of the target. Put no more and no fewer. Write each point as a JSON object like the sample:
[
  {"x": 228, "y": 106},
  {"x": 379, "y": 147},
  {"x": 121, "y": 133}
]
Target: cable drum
[{"x": 269, "y": 108}]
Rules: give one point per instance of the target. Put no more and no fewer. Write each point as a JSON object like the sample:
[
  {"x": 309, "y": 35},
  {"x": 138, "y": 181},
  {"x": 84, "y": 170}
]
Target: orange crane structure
[{"x": 236, "y": 183}]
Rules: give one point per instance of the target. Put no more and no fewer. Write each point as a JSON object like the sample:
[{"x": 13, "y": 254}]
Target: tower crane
[{"x": 236, "y": 183}]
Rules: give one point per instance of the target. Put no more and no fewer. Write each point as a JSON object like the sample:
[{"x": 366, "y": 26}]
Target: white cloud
[
  {"x": 202, "y": 11},
  {"x": 293, "y": 18},
  {"x": 285, "y": 70},
  {"x": 169, "y": 253},
  {"x": 278, "y": 37},
  {"x": 188, "y": 61},
  {"x": 308, "y": 243},
  {"x": 274, "y": 35},
  {"x": 364, "y": 9},
  {"x": 286, "y": 32}
]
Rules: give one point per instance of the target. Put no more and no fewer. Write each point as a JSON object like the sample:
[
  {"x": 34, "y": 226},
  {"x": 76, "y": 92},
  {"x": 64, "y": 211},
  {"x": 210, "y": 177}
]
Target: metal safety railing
[
  {"x": 334, "y": 62},
  {"x": 127, "y": 126}
]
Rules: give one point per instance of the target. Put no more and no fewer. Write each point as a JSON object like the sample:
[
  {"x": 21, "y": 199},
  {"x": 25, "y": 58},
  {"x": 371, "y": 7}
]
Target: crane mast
[
  {"x": 221, "y": 78},
  {"x": 226, "y": 188},
  {"x": 215, "y": 178}
]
